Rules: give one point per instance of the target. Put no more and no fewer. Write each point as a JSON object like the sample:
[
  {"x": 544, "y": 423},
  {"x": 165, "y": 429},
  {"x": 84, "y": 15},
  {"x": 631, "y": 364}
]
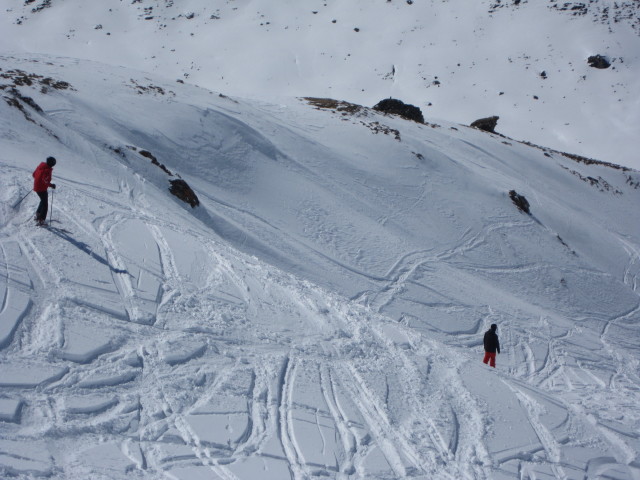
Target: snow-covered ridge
[
  {"x": 523, "y": 61},
  {"x": 624, "y": 11},
  {"x": 320, "y": 313}
]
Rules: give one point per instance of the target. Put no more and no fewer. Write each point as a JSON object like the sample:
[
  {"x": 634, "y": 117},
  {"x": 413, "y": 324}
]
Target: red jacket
[{"x": 42, "y": 177}]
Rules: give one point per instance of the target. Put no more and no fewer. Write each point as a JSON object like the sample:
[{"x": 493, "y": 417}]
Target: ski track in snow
[
  {"x": 139, "y": 342},
  {"x": 414, "y": 448}
]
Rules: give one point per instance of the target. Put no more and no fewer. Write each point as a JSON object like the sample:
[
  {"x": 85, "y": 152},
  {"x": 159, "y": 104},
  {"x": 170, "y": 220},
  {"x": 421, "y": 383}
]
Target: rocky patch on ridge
[
  {"x": 398, "y": 107},
  {"x": 178, "y": 187},
  {"x": 606, "y": 13}
]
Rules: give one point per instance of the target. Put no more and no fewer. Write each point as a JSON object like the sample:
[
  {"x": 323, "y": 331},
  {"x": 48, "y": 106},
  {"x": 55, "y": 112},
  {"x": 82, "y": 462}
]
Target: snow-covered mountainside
[
  {"x": 525, "y": 61},
  {"x": 320, "y": 312}
]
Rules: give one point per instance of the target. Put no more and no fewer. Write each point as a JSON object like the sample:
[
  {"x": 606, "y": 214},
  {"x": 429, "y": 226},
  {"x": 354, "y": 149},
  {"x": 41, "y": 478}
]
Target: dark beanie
[
  {"x": 494, "y": 326},
  {"x": 51, "y": 161}
]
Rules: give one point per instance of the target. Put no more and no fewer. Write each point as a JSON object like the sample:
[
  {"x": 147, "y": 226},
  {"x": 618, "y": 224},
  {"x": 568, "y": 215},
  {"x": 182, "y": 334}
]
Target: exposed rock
[
  {"x": 19, "y": 78},
  {"x": 183, "y": 191},
  {"x": 519, "y": 201},
  {"x": 42, "y": 6},
  {"x": 150, "y": 89},
  {"x": 598, "y": 61},
  {"x": 178, "y": 187},
  {"x": 377, "y": 127},
  {"x": 13, "y": 102},
  {"x": 487, "y": 124},
  {"x": 563, "y": 281},
  {"x": 577, "y": 158},
  {"x": 605, "y": 13},
  {"x": 599, "y": 183},
  {"x": 155, "y": 161},
  {"x": 345, "y": 108},
  {"x": 398, "y": 107},
  {"x": 28, "y": 100}
]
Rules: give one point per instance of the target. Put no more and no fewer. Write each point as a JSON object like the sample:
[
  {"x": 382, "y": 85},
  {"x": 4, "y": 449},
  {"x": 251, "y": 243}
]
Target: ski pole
[
  {"x": 51, "y": 214},
  {"x": 20, "y": 201}
]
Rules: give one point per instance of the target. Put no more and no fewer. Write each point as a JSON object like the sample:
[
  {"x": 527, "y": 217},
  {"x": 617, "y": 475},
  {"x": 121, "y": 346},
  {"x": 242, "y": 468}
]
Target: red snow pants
[{"x": 490, "y": 358}]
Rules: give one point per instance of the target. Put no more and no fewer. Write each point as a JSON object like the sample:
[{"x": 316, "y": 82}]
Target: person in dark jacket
[
  {"x": 41, "y": 182},
  {"x": 491, "y": 345}
]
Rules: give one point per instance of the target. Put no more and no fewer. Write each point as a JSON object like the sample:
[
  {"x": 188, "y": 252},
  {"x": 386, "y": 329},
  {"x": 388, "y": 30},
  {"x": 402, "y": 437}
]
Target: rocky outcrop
[
  {"x": 599, "y": 61},
  {"x": 487, "y": 124},
  {"x": 178, "y": 187},
  {"x": 398, "y": 107},
  {"x": 520, "y": 201},
  {"x": 155, "y": 161},
  {"x": 183, "y": 191}
]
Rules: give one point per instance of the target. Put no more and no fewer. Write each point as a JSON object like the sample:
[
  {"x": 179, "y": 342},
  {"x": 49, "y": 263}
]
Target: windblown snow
[{"x": 320, "y": 313}]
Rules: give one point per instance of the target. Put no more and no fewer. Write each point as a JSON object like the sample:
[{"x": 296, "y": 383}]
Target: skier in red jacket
[{"x": 41, "y": 182}]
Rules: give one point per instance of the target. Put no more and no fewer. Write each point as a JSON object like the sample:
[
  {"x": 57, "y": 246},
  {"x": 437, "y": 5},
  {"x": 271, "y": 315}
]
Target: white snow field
[
  {"x": 523, "y": 60},
  {"x": 320, "y": 313}
]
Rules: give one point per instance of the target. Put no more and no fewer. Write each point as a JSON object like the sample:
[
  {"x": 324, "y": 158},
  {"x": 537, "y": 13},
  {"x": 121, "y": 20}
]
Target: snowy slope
[
  {"x": 320, "y": 313},
  {"x": 525, "y": 61}
]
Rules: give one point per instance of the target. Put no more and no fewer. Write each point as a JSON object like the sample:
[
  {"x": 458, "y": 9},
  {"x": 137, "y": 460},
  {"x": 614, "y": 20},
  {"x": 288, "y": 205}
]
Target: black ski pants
[{"x": 43, "y": 208}]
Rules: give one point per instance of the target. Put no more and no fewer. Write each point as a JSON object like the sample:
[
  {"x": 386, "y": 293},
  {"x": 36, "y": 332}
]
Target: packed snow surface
[{"x": 320, "y": 314}]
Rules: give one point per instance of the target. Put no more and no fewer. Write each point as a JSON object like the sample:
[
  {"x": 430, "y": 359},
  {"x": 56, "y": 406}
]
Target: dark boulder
[
  {"x": 598, "y": 61},
  {"x": 183, "y": 191},
  {"x": 520, "y": 201},
  {"x": 398, "y": 107},
  {"x": 487, "y": 124}
]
